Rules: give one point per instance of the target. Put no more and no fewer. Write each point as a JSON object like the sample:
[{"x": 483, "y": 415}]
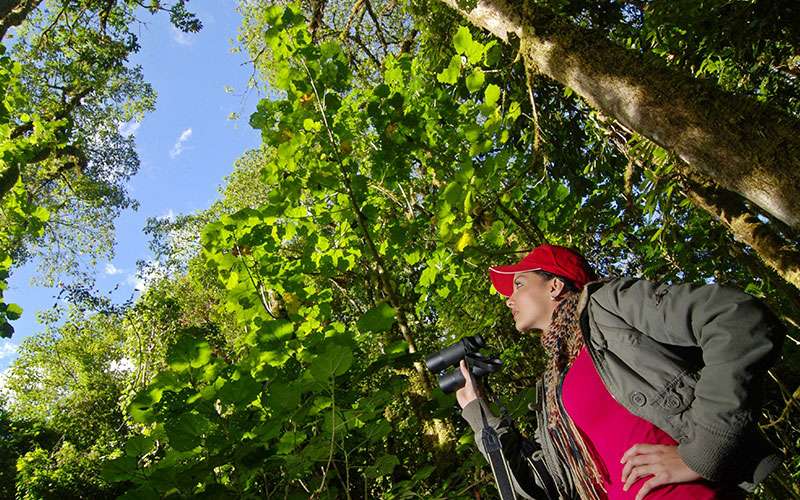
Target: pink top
[{"x": 611, "y": 430}]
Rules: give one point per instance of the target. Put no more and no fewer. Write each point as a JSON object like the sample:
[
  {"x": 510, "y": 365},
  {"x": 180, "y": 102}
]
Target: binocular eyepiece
[{"x": 468, "y": 349}]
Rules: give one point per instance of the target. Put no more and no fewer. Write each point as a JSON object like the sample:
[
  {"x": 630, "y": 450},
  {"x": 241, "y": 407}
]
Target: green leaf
[
  {"x": 393, "y": 75},
  {"x": 376, "y": 431},
  {"x": 378, "y": 319},
  {"x": 466, "y": 240},
  {"x": 289, "y": 441},
  {"x": 284, "y": 396},
  {"x": 141, "y": 408},
  {"x": 332, "y": 102},
  {"x": 139, "y": 445},
  {"x": 514, "y": 111},
  {"x": 279, "y": 329},
  {"x": 41, "y": 214},
  {"x": 5, "y": 261},
  {"x": 186, "y": 431},
  {"x": 6, "y": 330},
  {"x": 475, "y": 53},
  {"x": 334, "y": 361},
  {"x": 423, "y": 473},
  {"x": 119, "y": 469},
  {"x": 562, "y": 191},
  {"x": 472, "y": 133},
  {"x": 454, "y": 194},
  {"x": 412, "y": 257},
  {"x": 475, "y": 80},
  {"x": 492, "y": 53},
  {"x": 382, "y": 91},
  {"x": 462, "y": 40},
  {"x": 323, "y": 243},
  {"x": 189, "y": 351},
  {"x": 428, "y": 276},
  {"x": 13, "y": 311},
  {"x": 450, "y": 74},
  {"x": 463, "y": 43},
  {"x": 273, "y": 358},
  {"x": 491, "y": 95},
  {"x": 383, "y": 466},
  {"x": 241, "y": 391},
  {"x": 311, "y": 125}
]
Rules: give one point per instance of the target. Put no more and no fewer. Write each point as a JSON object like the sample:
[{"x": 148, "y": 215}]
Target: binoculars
[{"x": 467, "y": 349}]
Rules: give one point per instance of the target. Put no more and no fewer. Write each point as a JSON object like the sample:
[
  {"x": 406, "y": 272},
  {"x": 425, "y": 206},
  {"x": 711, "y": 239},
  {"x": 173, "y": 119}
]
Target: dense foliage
[{"x": 280, "y": 356}]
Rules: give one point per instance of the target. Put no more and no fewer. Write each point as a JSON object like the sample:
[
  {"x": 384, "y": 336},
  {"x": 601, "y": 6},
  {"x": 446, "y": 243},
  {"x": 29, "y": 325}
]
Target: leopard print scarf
[{"x": 563, "y": 340}]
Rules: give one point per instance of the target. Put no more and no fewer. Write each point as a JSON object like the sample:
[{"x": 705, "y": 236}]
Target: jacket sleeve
[
  {"x": 528, "y": 474},
  {"x": 739, "y": 339}
]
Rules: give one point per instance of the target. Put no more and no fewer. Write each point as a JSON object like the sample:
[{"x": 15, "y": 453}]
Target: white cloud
[
  {"x": 111, "y": 269},
  {"x": 127, "y": 129},
  {"x": 8, "y": 349},
  {"x": 181, "y": 38},
  {"x": 177, "y": 149},
  {"x": 136, "y": 282}
]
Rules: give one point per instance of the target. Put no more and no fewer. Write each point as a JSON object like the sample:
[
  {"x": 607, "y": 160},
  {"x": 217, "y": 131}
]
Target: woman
[{"x": 649, "y": 391}]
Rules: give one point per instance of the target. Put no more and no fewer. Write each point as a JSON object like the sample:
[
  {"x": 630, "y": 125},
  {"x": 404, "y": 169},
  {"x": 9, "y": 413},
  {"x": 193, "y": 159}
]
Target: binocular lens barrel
[
  {"x": 450, "y": 356},
  {"x": 453, "y": 380}
]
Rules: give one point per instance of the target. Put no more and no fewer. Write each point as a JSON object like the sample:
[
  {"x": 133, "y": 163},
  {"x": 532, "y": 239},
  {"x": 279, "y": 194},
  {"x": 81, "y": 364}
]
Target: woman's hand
[
  {"x": 658, "y": 460},
  {"x": 471, "y": 390}
]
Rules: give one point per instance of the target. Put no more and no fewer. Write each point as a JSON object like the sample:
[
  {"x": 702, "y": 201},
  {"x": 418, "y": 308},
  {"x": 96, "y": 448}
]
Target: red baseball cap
[{"x": 553, "y": 259}]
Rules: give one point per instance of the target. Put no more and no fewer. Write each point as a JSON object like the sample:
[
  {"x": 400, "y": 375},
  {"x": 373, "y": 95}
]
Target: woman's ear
[{"x": 555, "y": 288}]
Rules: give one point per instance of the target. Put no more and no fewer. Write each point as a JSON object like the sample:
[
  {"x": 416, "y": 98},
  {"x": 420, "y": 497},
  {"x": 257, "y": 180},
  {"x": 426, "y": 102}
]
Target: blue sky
[{"x": 186, "y": 147}]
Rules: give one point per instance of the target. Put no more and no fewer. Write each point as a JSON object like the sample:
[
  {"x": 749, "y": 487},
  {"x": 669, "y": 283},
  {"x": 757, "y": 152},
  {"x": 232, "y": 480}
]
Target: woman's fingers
[
  {"x": 469, "y": 392},
  {"x": 649, "y": 485},
  {"x": 642, "y": 448},
  {"x": 638, "y": 472},
  {"x": 635, "y": 461},
  {"x": 658, "y": 460},
  {"x": 465, "y": 373}
]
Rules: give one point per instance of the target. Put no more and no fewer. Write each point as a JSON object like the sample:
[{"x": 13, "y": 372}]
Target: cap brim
[{"x": 503, "y": 276}]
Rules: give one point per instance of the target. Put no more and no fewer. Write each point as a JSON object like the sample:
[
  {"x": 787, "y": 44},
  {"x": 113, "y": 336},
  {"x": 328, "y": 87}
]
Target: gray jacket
[{"x": 688, "y": 358}]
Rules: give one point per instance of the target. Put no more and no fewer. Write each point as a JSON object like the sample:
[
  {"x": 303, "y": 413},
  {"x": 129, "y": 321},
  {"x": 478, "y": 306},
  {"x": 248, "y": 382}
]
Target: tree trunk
[
  {"x": 726, "y": 207},
  {"x": 744, "y": 146}
]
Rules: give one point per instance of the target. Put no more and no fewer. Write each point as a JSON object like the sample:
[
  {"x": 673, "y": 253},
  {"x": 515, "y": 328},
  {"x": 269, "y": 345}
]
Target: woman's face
[{"x": 533, "y": 300}]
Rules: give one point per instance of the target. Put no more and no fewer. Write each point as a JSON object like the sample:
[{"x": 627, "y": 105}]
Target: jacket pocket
[{"x": 678, "y": 394}]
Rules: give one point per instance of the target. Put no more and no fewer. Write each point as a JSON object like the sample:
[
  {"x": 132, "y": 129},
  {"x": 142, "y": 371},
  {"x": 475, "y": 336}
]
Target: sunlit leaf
[{"x": 378, "y": 319}]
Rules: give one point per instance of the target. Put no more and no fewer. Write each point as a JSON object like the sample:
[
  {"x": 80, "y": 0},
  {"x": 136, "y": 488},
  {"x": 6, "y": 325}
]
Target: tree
[
  {"x": 65, "y": 163},
  {"x": 281, "y": 354},
  {"x": 744, "y": 145}
]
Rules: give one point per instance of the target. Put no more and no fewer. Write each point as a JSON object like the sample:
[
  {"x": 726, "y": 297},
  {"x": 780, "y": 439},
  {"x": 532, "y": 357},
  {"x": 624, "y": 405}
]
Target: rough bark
[
  {"x": 744, "y": 146},
  {"x": 13, "y": 12},
  {"x": 728, "y": 208},
  {"x": 788, "y": 312}
]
